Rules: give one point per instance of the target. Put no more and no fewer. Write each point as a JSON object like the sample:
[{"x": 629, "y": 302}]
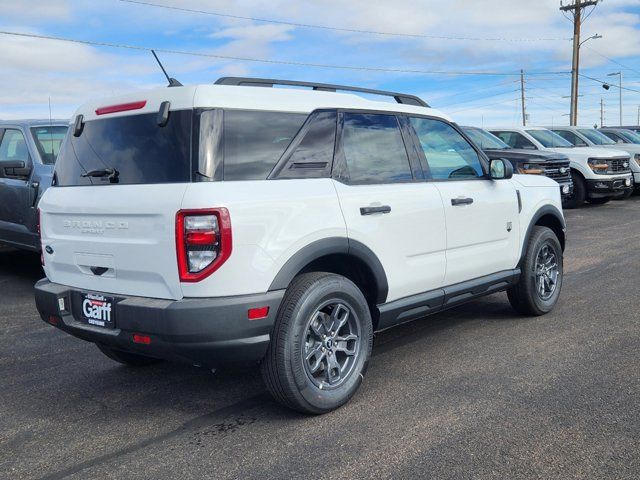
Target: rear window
[
  {"x": 134, "y": 146},
  {"x": 48, "y": 140}
]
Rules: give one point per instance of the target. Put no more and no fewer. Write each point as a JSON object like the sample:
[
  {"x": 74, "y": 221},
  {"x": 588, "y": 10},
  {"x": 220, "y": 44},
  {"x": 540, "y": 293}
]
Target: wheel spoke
[
  {"x": 317, "y": 363},
  {"x": 334, "y": 373},
  {"x": 317, "y": 349},
  {"x": 317, "y": 326},
  {"x": 339, "y": 317},
  {"x": 342, "y": 345}
]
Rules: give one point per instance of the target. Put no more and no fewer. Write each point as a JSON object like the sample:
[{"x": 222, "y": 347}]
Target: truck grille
[
  {"x": 616, "y": 165},
  {"x": 559, "y": 171}
]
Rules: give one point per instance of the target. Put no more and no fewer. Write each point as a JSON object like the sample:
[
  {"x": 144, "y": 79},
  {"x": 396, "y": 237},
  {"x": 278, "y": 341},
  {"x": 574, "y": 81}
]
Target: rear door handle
[
  {"x": 372, "y": 210},
  {"x": 461, "y": 201}
]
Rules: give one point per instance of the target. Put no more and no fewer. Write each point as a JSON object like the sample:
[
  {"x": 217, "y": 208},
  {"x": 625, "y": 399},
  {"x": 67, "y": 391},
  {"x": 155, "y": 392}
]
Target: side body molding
[{"x": 333, "y": 246}]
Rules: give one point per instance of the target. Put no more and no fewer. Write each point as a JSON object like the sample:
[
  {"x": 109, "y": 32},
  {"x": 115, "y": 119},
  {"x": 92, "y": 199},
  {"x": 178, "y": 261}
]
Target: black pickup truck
[
  {"x": 28, "y": 150},
  {"x": 549, "y": 164}
]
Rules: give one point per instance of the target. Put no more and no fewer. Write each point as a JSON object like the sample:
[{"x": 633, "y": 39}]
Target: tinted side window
[
  {"x": 13, "y": 146},
  {"x": 571, "y": 137},
  {"x": 374, "y": 151},
  {"x": 515, "y": 140},
  {"x": 313, "y": 155},
  {"x": 255, "y": 140},
  {"x": 448, "y": 153}
]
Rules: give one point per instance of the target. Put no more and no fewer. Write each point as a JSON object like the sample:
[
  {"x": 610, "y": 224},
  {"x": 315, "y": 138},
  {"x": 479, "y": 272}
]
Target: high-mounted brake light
[
  {"x": 203, "y": 242},
  {"x": 122, "y": 107}
]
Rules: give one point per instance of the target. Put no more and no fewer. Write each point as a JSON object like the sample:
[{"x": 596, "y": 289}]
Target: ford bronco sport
[{"x": 228, "y": 223}]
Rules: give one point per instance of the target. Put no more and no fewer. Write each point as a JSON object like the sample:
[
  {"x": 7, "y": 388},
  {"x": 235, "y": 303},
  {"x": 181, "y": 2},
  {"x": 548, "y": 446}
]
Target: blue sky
[{"x": 533, "y": 35}]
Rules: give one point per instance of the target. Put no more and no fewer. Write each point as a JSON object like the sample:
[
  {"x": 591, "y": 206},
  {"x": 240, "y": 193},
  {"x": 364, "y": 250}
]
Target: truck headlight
[
  {"x": 530, "y": 169},
  {"x": 598, "y": 165}
]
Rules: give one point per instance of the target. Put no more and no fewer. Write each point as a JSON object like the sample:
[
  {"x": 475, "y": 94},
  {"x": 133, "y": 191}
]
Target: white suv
[
  {"x": 598, "y": 174},
  {"x": 230, "y": 223}
]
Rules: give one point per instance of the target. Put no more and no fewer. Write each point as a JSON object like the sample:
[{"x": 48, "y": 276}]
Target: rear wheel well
[
  {"x": 552, "y": 222},
  {"x": 354, "y": 269}
]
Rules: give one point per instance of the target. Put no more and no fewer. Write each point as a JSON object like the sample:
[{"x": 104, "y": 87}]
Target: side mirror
[
  {"x": 500, "y": 169},
  {"x": 15, "y": 168}
]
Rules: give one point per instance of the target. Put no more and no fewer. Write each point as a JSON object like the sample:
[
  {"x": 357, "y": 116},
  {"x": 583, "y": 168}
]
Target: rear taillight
[{"x": 203, "y": 242}]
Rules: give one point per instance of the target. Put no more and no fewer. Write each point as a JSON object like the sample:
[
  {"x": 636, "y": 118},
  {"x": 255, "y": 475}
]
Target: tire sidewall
[
  {"x": 328, "y": 288},
  {"x": 542, "y": 237},
  {"x": 579, "y": 192}
]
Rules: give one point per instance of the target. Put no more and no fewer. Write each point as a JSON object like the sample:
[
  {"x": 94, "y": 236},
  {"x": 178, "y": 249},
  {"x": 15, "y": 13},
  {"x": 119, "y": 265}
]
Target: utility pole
[
  {"x": 601, "y": 112},
  {"x": 576, "y": 9},
  {"x": 524, "y": 114}
]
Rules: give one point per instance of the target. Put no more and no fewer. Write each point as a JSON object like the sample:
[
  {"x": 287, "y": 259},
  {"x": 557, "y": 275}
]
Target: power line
[
  {"x": 339, "y": 29},
  {"x": 270, "y": 61},
  {"x": 474, "y": 99},
  {"x": 610, "y": 84},
  {"x": 472, "y": 107},
  {"x": 613, "y": 61}
]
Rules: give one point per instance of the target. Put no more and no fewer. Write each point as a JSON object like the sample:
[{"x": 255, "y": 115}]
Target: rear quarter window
[{"x": 254, "y": 141}]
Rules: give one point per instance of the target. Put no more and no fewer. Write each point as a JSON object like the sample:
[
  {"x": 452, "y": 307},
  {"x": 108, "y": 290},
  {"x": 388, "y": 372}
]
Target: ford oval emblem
[
  {"x": 563, "y": 169},
  {"x": 48, "y": 249}
]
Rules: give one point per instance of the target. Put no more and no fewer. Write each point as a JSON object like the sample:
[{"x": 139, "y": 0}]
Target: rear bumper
[
  {"x": 608, "y": 187},
  {"x": 204, "y": 331}
]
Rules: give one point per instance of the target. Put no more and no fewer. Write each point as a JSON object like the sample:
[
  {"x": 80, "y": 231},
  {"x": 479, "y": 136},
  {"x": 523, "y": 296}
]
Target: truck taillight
[{"x": 203, "y": 242}]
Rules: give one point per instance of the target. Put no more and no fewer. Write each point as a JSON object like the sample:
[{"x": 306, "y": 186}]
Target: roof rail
[{"x": 326, "y": 87}]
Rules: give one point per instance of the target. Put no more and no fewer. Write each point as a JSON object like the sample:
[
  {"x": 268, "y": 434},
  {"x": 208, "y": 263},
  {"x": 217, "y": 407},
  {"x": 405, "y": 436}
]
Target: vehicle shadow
[{"x": 20, "y": 265}]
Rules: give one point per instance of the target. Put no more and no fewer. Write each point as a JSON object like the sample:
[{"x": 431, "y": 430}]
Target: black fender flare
[
  {"x": 330, "y": 246},
  {"x": 544, "y": 210}
]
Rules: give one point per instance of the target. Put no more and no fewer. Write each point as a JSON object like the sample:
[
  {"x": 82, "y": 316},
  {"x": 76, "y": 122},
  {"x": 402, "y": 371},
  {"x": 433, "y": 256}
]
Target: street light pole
[
  {"x": 620, "y": 89},
  {"x": 575, "y": 9}
]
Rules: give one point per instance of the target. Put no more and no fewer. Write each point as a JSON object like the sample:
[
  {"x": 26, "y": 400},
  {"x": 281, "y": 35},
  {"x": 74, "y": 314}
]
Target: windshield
[
  {"x": 548, "y": 139},
  {"x": 596, "y": 137},
  {"x": 48, "y": 140},
  {"x": 629, "y": 135},
  {"x": 484, "y": 139}
]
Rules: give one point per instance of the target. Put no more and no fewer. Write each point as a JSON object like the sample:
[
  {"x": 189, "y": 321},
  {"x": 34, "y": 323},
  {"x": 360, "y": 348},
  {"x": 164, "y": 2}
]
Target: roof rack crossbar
[{"x": 325, "y": 87}]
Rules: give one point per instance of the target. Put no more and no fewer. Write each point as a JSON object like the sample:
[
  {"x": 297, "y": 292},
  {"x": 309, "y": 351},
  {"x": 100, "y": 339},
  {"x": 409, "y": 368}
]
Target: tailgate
[{"x": 119, "y": 239}]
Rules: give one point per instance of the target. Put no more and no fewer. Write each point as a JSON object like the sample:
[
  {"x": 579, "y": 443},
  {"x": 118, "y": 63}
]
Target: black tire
[
  {"x": 525, "y": 297},
  {"x": 598, "y": 201},
  {"x": 301, "y": 318},
  {"x": 579, "y": 192},
  {"x": 127, "y": 358}
]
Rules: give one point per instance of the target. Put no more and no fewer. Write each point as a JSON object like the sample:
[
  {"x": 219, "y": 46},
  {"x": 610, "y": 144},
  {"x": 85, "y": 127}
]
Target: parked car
[
  {"x": 598, "y": 174},
  {"x": 633, "y": 128},
  {"x": 590, "y": 137},
  {"x": 28, "y": 150},
  {"x": 218, "y": 223},
  {"x": 627, "y": 138},
  {"x": 549, "y": 164}
]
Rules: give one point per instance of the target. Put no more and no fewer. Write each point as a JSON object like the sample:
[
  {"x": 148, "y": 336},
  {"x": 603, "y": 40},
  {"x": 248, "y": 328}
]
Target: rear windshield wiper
[{"x": 110, "y": 173}]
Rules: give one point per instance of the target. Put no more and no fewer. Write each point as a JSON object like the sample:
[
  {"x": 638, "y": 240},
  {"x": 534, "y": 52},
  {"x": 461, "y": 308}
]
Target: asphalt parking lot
[{"x": 476, "y": 392}]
